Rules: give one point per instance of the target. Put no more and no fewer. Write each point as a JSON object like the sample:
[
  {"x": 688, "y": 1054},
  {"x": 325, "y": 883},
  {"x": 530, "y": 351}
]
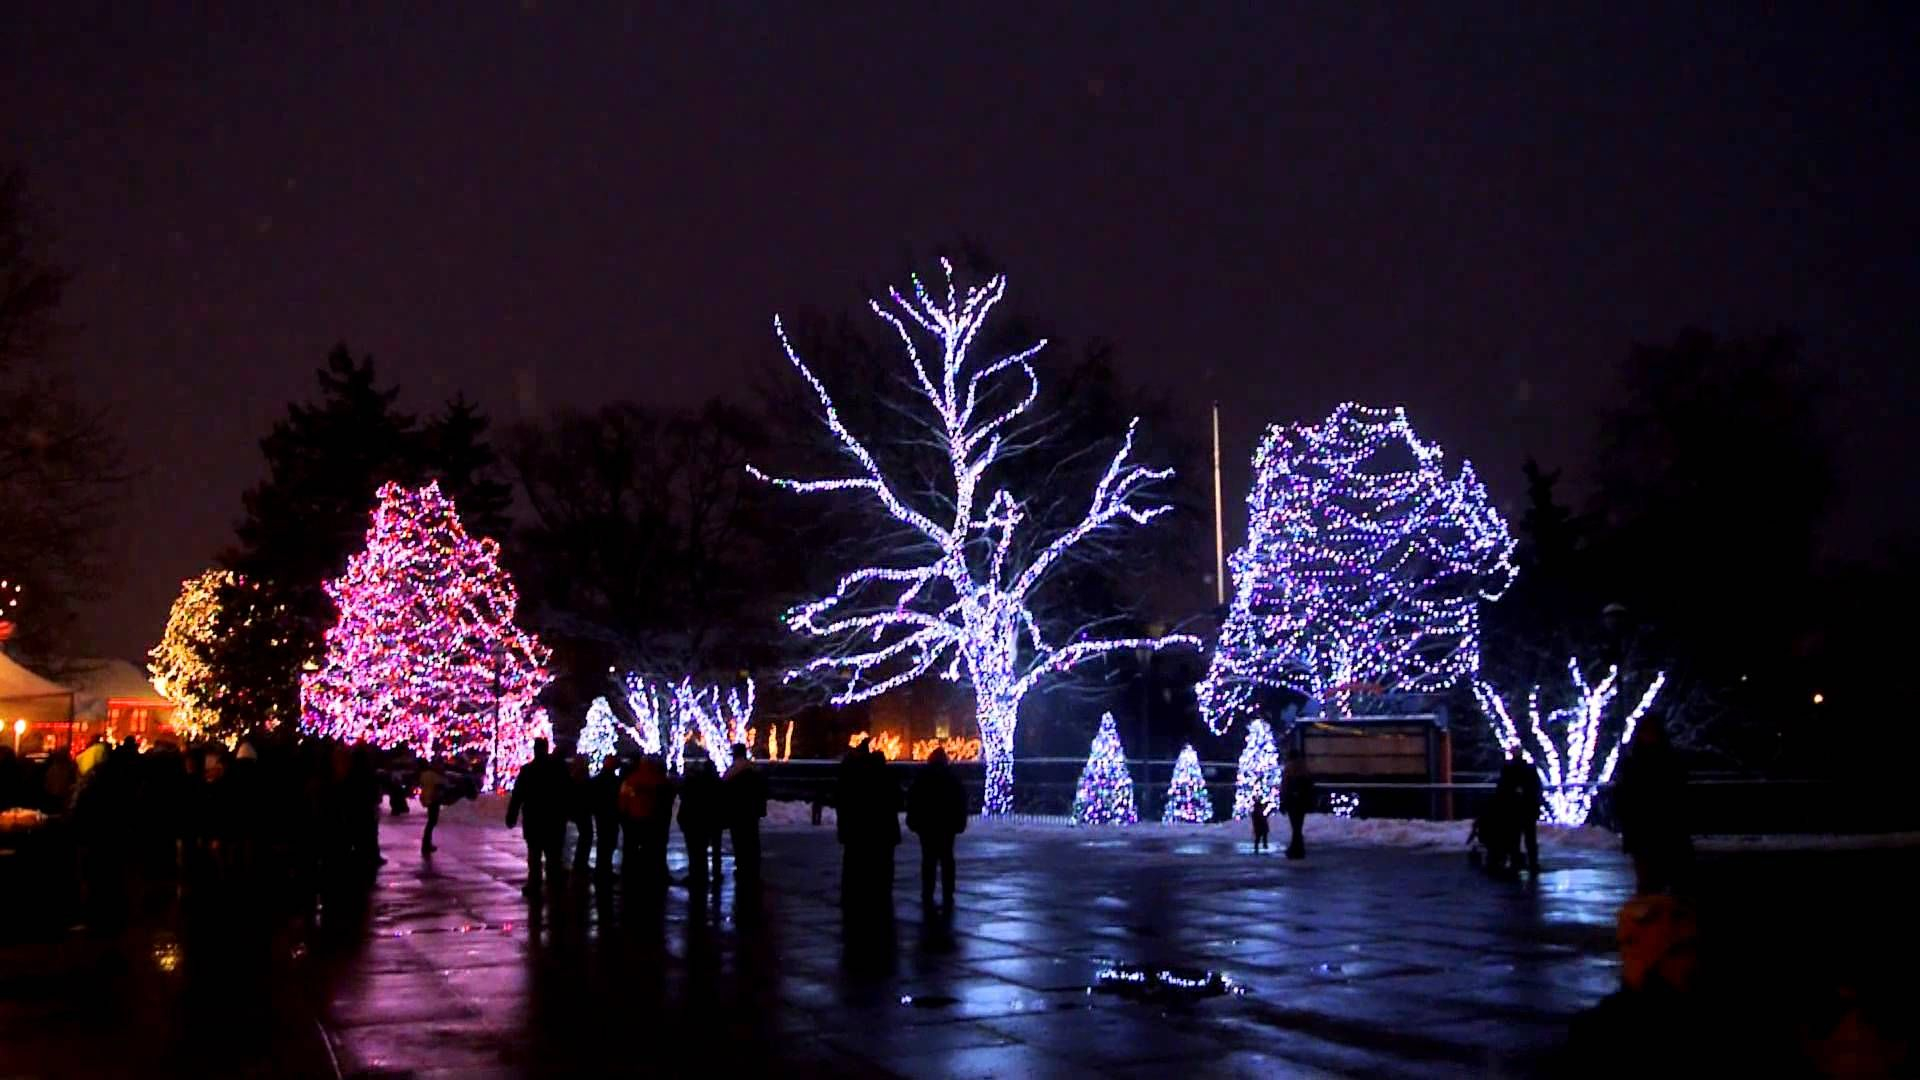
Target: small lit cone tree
[
  {"x": 425, "y": 653},
  {"x": 961, "y": 603},
  {"x": 1187, "y": 798},
  {"x": 1105, "y": 795},
  {"x": 603, "y": 733},
  {"x": 1566, "y": 741},
  {"x": 1258, "y": 778},
  {"x": 1365, "y": 565}
]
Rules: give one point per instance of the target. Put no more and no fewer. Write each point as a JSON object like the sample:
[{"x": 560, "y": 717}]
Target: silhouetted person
[
  {"x": 432, "y": 783},
  {"x": 1258, "y": 815},
  {"x": 57, "y": 783},
  {"x": 702, "y": 816},
  {"x": 580, "y": 810},
  {"x": 744, "y": 794},
  {"x": 1297, "y": 796},
  {"x": 541, "y": 792},
  {"x": 644, "y": 799},
  {"x": 937, "y": 812},
  {"x": 603, "y": 791},
  {"x": 1518, "y": 790},
  {"x": 1647, "y": 799},
  {"x": 849, "y": 803},
  {"x": 363, "y": 793}
]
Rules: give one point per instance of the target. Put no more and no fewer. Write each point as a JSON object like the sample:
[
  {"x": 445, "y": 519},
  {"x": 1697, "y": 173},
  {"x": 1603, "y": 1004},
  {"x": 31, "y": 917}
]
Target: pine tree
[
  {"x": 223, "y": 646},
  {"x": 1105, "y": 796},
  {"x": 1258, "y": 778},
  {"x": 425, "y": 653},
  {"x": 1187, "y": 798}
]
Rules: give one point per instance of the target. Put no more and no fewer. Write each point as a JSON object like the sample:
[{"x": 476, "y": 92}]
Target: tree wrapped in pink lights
[
  {"x": 960, "y": 601},
  {"x": 1365, "y": 565},
  {"x": 425, "y": 653}
]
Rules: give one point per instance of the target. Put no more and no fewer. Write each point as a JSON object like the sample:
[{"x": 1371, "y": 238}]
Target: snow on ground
[{"x": 1321, "y": 829}]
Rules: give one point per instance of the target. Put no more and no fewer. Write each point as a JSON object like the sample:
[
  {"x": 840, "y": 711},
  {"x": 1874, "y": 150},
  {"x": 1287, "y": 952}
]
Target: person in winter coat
[
  {"x": 603, "y": 791},
  {"x": 702, "y": 817},
  {"x": 541, "y": 792},
  {"x": 937, "y": 812},
  {"x": 1298, "y": 793},
  {"x": 1258, "y": 816},
  {"x": 646, "y": 807},
  {"x": 1648, "y": 794},
  {"x": 745, "y": 797},
  {"x": 580, "y": 811},
  {"x": 432, "y": 782},
  {"x": 1517, "y": 791}
]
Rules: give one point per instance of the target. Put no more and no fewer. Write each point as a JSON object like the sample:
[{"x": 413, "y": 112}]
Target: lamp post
[{"x": 19, "y": 729}]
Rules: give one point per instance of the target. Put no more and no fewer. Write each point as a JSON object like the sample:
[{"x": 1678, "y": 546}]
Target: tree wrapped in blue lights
[
  {"x": 1187, "y": 798},
  {"x": 1105, "y": 795},
  {"x": 602, "y": 734},
  {"x": 1364, "y": 567},
  {"x": 960, "y": 603},
  {"x": 1257, "y": 780}
]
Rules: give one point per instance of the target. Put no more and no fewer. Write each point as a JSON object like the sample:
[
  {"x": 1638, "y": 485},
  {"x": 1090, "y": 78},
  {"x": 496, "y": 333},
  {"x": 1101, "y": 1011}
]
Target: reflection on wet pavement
[{"x": 1067, "y": 954}]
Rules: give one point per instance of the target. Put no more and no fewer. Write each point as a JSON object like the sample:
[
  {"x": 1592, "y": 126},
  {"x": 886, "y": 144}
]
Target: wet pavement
[{"x": 1069, "y": 953}]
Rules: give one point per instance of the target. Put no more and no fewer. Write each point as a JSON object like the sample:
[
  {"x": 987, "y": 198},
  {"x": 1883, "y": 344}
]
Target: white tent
[{"x": 46, "y": 706}]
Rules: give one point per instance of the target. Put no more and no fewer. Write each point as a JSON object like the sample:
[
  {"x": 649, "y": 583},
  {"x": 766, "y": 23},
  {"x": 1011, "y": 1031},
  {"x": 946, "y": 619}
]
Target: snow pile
[{"x": 781, "y": 812}]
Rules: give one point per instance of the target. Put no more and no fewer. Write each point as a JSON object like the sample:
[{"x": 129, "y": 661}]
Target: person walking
[
  {"x": 1648, "y": 794},
  {"x": 1298, "y": 793},
  {"x": 604, "y": 793},
  {"x": 580, "y": 810},
  {"x": 937, "y": 812},
  {"x": 701, "y": 819},
  {"x": 1258, "y": 815},
  {"x": 540, "y": 792},
  {"x": 744, "y": 791},
  {"x": 849, "y": 803},
  {"x": 1517, "y": 788},
  {"x": 431, "y": 780},
  {"x": 641, "y": 791}
]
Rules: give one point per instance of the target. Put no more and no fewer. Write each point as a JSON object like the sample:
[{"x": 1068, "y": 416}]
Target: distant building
[{"x": 116, "y": 699}]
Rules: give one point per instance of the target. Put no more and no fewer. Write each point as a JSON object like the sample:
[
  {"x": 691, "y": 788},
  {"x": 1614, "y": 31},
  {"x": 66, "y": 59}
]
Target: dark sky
[{"x": 1470, "y": 210}]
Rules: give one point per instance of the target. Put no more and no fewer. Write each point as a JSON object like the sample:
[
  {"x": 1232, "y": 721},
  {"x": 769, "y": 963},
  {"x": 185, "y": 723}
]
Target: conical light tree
[
  {"x": 1105, "y": 795},
  {"x": 1364, "y": 567},
  {"x": 425, "y": 653},
  {"x": 602, "y": 734},
  {"x": 1258, "y": 778},
  {"x": 221, "y": 625},
  {"x": 961, "y": 604},
  {"x": 1187, "y": 798}
]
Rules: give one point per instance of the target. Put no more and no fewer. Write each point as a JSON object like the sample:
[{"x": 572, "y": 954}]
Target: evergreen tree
[
  {"x": 426, "y": 653},
  {"x": 1258, "y": 778},
  {"x": 1105, "y": 796},
  {"x": 455, "y": 452},
  {"x": 1187, "y": 798},
  {"x": 220, "y": 640}
]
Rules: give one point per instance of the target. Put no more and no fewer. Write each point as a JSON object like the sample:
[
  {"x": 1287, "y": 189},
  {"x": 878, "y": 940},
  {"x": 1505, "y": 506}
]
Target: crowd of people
[{"x": 630, "y": 808}]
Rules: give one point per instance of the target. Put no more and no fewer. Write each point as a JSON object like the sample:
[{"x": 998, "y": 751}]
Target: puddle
[{"x": 1163, "y": 984}]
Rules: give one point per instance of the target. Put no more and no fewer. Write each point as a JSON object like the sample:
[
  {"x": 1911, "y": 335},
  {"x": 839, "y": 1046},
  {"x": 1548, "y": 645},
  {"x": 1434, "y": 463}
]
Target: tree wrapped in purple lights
[
  {"x": 1187, "y": 798},
  {"x": 1365, "y": 565},
  {"x": 964, "y": 610},
  {"x": 425, "y": 653},
  {"x": 1105, "y": 794},
  {"x": 1567, "y": 740}
]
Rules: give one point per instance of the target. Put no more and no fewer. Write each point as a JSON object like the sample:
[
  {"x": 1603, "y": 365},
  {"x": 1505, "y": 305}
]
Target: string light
[
  {"x": 1258, "y": 778},
  {"x": 1344, "y": 803},
  {"x": 1565, "y": 765},
  {"x": 1364, "y": 564},
  {"x": 670, "y": 714},
  {"x": 1187, "y": 798},
  {"x": 1105, "y": 795},
  {"x": 601, "y": 735},
  {"x": 425, "y": 653},
  {"x": 964, "y": 612},
  {"x": 181, "y": 664}
]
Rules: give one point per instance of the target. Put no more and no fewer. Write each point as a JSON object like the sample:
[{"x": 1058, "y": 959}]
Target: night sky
[{"x": 1470, "y": 211}]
